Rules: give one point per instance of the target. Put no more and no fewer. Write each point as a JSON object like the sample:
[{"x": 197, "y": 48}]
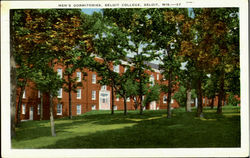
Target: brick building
[{"x": 91, "y": 96}]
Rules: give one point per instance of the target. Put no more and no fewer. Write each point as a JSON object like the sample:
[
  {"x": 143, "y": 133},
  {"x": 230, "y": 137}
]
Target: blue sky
[{"x": 90, "y": 11}]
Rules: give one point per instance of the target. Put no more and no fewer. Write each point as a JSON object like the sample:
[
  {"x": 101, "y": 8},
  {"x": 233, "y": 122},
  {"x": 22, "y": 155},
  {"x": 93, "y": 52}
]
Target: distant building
[{"x": 91, "y": 96}]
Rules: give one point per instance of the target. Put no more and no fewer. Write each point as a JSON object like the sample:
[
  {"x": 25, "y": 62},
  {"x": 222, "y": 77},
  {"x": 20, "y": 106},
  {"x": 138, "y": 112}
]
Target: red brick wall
[{"x": 86, "y": 101}]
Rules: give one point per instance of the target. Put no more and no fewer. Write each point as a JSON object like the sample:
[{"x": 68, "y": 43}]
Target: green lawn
[{"x": 99, "y": 129}]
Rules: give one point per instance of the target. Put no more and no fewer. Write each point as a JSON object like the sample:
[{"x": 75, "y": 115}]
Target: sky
[{"x": 90, "y": 11}]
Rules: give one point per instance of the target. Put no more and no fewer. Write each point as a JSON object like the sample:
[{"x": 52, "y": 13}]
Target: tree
[
  {"x": 165, "y": 36},
  {"x": 138, "y": 27},
  {"x": 208, "y": 43},
  {"x": 49, "y": 35},
  {"x": 153, "y": 94},
  {"x": 109, "y": 44}
]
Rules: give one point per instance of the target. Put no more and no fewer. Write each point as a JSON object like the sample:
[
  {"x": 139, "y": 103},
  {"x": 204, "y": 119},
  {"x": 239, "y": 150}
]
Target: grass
[{"x": 99, "y": 129}]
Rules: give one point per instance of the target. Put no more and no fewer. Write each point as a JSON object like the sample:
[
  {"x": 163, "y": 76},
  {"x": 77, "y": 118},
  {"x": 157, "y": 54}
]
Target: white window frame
[
  {"x": 60, "y": 108},
  {"x": 128, "y": 99},
  {"x": 93, "y": 78},
  {"x": 115, "y": 107},
  {"x": 24, "y": 94},
  {"x": 78, "y": 93},
  {"x": 59, "y": 95},
  {"x": 164, "y": 101},
  {"x": 79, "y": 76},
  {"x": 116, "y": 68},
  {"x": 203, "y": 101},
  {"x": 38, "y": 109},
  {"x": 172, "y": 101},
  {"x": 59, "y": 72},
  {"x": 157, "y": 77},
  {"x": 117, "y": 98},
  {"x": 152, "y": 80},
  {"x": 104, "y": 87},
  {"x": 23, "y": 109},
  {"x": 93, "y": 97},
  {"x": 38, "y": 94},
  {"x": 80, "y": 110},
  {"x": 93, "y": 107}
]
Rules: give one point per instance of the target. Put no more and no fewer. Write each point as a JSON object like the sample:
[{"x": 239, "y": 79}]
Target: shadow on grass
[{"x": 150, "y": 130}]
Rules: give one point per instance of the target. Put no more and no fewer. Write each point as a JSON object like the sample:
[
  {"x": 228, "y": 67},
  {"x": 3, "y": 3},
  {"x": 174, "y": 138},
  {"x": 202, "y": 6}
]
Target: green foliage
[
  {"x": 181, "y": 96},
  {"x": 153, "y": 94},
  {"x": 232, "y": 100}
]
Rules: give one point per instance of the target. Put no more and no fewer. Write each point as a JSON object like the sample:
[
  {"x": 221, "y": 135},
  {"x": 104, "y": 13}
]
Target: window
[
  {"x": 78, "y": 94},
  {"x": 104, "y": 97},
  {"x": 59, "y": 73},
  {"x": 115, "y": 107},
  {"x": 24, "y": 94},
  {"x": 203, "y": 100},
  {"x": 78, "y": 109},
  {"x": 172, "y": 101},
  {"x": 93, "y": 107},
  {"x": 128, "y": 99},
  {"x": 125, "y": 69},
  {"x": 59, "y": 109},
  {"x": 116, "y": 68},
  {"x": 104, "y": 87},
  {"x": 39, "y": 94},
  {"x": 78, "y": 76},
  {"x": 164, "y": 99},
  {"x": 93, "y": 95},
  {"x": 94, "y": 78},
  {"x": 157, "y": 76},
  {"x": 59, "y": 93},
  {"x": 38, "y": 109},
  {"x": 142, "y": 98},
  {"x": 117, "y": 98},
  {"x": 152, "y": 80},
  {"x": 23, "y": 109}
]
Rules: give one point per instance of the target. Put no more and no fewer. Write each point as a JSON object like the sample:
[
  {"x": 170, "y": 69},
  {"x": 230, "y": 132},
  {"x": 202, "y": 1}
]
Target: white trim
[
  {"x": 59, "y": 108},
  {"x": 78, "y": 110},
  {"x": 164, "y": 101},
  {"x": 59, "y": 72},
  {"x": 78, "y": 93},
  {"x": 24, "y": 94},
  {"x": 116, "y": 68},
  {"x": 93, "y": 80},
  {"x": 93, "y": 96},
  {"x": 38, "y": 94},
  {"x": 79, "y": 76},
  {"x": 38, "y": 109},
  {"x": 59, "y": 95},
  {"x": 23, "y": 109}
]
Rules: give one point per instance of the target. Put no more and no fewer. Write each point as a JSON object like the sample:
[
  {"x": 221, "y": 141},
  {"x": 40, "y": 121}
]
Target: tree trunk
[
  {"x": 169, "y": 95},
  {"x": 13, "y": 81},
  {"x": 221, "y": 92},
  {"x": 13, "y": 85},
  {"x": 41, "y": 107},
  {"x": 113, "y": 102},
  {"x": 70, "y": 89},
  {"x": 51, "y": 116},
  {"x": 19, "y": 105},
  {"x": 188, "y": 104},
  {"x": 200, "y": 108},
  {"x": 125, "y": 104},
  {"x": 212, "y": 103},
  {"x": 140, "y": 104}
]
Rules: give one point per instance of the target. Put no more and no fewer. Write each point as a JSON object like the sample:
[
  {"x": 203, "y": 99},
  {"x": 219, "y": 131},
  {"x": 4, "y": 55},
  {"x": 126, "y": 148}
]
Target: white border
[{"x": 243, "y": 151}]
